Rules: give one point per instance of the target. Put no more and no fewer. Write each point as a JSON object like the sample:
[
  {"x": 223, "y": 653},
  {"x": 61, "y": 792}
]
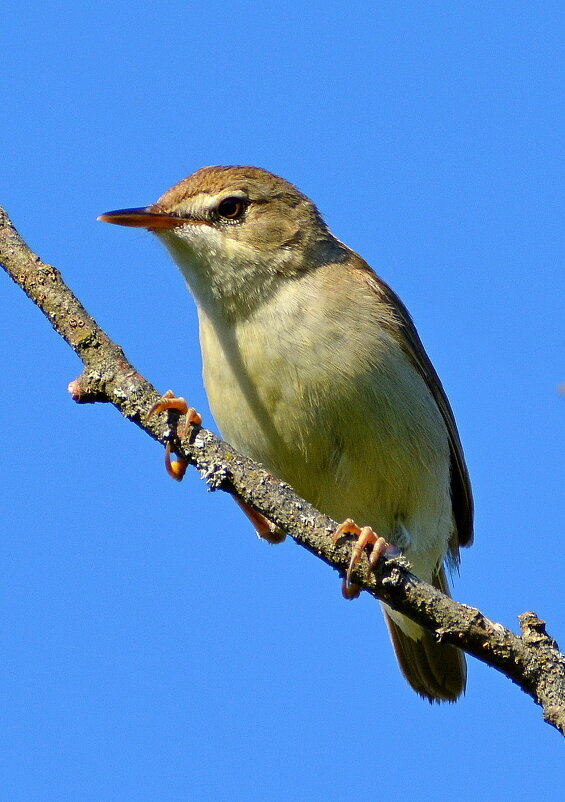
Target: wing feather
[{"x": 461, "y": 494}]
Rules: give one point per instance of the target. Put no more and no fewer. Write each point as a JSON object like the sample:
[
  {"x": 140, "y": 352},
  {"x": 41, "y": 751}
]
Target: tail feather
[{"x": 436, "y": 671}]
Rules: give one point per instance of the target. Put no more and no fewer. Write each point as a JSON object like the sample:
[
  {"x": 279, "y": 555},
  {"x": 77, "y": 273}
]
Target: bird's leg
[
  {"x": 176, "y": 468},
  {"x": 365, "y": 537},
  {"x": 265, "y": 529}
]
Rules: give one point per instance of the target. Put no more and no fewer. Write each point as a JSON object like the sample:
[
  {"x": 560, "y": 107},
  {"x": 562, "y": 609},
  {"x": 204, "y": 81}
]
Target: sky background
[{"x": 153, "y": 648}]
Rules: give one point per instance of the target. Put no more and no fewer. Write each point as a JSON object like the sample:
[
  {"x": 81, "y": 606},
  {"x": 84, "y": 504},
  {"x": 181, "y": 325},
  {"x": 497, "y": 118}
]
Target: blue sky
[{"x": 153, "y": 647}]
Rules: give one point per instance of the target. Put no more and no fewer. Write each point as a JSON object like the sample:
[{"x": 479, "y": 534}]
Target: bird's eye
[{"x": 231, "y": 208}]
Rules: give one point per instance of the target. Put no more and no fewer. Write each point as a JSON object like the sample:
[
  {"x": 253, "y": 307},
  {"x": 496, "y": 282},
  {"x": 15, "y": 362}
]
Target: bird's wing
[{"x": 461, "y": 495}]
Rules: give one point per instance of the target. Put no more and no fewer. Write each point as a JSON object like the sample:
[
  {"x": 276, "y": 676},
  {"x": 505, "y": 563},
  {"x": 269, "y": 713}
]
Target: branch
[{"x": 531, "y": 660}]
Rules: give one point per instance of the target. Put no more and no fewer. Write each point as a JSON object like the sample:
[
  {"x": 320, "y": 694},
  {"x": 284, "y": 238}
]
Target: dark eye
[{"x": 231, "y": 208}]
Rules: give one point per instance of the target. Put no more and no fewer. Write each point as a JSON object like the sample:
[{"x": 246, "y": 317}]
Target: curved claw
[
  {"x": 350, "y": 590},
  {"x": 168, "y": 401},
  {"x": 365, "y": 536},
  {"x": 175, "y": 468}
]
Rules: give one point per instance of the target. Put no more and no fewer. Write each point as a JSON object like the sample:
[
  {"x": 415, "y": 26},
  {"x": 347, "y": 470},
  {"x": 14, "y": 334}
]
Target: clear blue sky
[{"x": 153, "y": 648}]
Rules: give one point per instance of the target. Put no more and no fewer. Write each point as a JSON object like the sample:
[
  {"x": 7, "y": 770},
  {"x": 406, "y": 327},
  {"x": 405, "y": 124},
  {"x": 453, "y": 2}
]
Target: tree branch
[{"x": 531, "y": 660}]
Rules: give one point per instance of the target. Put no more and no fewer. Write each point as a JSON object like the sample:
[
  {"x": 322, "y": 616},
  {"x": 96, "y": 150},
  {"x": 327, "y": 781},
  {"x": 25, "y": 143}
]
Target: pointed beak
[{"x": 143, "y": 217}]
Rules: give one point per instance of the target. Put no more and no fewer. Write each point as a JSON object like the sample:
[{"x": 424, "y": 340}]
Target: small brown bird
[{"x": 312, "y": 366}]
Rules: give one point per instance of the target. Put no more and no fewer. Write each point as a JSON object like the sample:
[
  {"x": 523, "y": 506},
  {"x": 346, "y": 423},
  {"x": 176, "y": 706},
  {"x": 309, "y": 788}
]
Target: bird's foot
[
  {"x": 176, "y": 468},
  {"x": 265, "y": 529},
  {"x": 365, "y": 537}
]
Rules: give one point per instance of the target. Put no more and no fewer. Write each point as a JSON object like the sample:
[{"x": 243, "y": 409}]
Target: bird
[{"x": 313, "y": 367}]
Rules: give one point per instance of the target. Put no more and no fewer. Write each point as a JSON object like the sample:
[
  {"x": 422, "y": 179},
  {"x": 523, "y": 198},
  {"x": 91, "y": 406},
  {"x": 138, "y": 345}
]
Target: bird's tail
[{"x": 436, "y": 671}]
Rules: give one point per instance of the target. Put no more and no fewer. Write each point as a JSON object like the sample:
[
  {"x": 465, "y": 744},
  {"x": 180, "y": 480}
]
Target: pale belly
[{"x": 357, "y": 435}]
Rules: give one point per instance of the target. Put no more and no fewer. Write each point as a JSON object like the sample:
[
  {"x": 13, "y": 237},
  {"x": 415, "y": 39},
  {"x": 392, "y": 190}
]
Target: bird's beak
[{"x": 144, "y": 217}]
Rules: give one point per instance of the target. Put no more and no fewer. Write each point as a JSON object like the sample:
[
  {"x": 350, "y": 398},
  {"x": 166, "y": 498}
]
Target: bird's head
[{"x": 234, "y": 231}]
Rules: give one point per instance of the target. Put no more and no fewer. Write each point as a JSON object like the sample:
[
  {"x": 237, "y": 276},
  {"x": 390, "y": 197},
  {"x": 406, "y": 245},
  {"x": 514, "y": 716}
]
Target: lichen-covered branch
[{"x": 532, "y": 660}]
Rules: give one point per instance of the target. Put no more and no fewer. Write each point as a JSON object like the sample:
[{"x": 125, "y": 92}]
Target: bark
[{"x": 532, "y": 660}]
